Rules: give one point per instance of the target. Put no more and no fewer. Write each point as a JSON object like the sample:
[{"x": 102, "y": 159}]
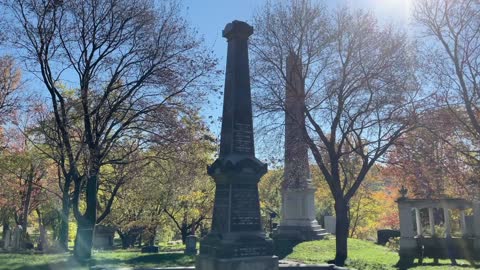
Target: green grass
[
  {"x": 117, "y": 259},
  {"x": 363, "y": 255}
]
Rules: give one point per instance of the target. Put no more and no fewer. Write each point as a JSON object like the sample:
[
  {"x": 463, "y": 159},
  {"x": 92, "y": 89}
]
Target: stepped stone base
[
  {"x": 300, "y": 233},
  {"x": 298, "y": 216},
  {"x": 244, "y": 263}
]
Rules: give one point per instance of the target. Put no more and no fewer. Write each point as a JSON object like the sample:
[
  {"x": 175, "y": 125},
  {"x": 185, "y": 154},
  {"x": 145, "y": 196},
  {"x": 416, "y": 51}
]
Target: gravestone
[
  {"x": 236, "y": 240},
  {"x": 384, "y": 236},
  {"x": 330, "y": 224},
  {"x": 298, "y": 222},
  {"x": 103, "y": 237},
  {"x": 191, "y": 245}
]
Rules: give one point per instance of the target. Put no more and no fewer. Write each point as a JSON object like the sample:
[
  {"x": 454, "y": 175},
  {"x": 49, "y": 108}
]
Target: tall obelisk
[
  {"x": 298, "y": 222},
  {"x": 236, "y": 241}
]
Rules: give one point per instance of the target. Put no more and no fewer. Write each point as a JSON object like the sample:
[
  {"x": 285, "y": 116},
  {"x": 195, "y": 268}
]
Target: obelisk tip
[{"x": 237, "y": 29}]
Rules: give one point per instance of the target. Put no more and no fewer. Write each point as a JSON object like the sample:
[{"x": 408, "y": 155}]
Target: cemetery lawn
[
  {"x": 363, "y": 255},
  {"x": 109, "y": 259}
]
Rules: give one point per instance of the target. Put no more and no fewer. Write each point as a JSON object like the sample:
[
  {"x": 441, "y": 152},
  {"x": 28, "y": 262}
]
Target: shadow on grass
[
  {"x": 463, "y": 265},
  {"x": 151, "y": 260},
  {"x": 69, "y": 263},
  {"x": 166, "y": 259},
  {"x": 283, "y": 247}
]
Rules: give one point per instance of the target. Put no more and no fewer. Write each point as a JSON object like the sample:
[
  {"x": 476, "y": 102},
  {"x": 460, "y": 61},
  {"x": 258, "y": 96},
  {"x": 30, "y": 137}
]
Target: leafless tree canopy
[
  {"x": 10, "y": 77},
  {"x": 451, "y": 32},
  {"x": 358, "y": 77}
]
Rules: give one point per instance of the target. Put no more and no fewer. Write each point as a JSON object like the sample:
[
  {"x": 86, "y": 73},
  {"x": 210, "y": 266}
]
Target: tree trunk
[
  {"x": 26, "y": 204},
  {"x": 6, "y": 227},
  {"x": 342, "y": 225},
  {"x": 153, "y": 234},
  {"x": 42, "y": 243},
  {"x": 64, "y": 217},
  {"x": 86, "y": 222},
  {"x": 129, "y": 237},
  {"x": 84, "y": 240},
  {"x": 140, "y": 241},
  {"x": 184, "y": 231},
  {"x": 123, "y": 237}
]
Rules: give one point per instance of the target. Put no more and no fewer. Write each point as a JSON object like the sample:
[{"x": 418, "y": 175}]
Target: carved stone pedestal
[{"x": 298, "y": 216}]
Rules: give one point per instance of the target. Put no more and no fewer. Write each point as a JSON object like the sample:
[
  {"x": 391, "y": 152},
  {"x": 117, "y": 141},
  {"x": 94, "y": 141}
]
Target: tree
[
  {"x": 371, "y": 206},
  {"x": 10, "y": 77},
  {"x": 138, "y": 205},
  {"x": 126, "y": 63},
  {"x": 171, "y": 187},
  {"x": 270, "y": 196},
  {"x": 451, "y": 52},
  {"x": 23, "y": 179},
  {"x": 450, "y": 31},
  {"x": 359, "y": 90},
  {"x": 431, "y": 160},
  {"x": 189, "y": 192}
]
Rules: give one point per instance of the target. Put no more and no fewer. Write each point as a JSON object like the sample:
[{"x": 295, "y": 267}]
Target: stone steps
[{"x": 300, "y": 233}]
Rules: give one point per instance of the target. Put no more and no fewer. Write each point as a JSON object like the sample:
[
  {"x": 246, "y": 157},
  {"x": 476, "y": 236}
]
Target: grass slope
[{"x": 363, "y": 255}]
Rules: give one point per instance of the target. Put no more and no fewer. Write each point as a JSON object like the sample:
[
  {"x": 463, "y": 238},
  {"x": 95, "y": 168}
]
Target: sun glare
[{"x": 395, "y": 9}]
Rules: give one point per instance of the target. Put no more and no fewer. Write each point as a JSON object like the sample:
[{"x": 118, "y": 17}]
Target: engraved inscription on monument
[
  {"x": 221, "y": 208},
  {"x": 249, "y": 251},
  {"x": 243, "y": 138},
  {"x": 245, "y": 214}
]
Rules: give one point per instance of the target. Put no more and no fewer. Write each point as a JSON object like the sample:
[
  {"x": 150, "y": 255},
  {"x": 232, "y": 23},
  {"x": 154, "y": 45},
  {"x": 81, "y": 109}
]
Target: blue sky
[{"x": 209, "y": 17}]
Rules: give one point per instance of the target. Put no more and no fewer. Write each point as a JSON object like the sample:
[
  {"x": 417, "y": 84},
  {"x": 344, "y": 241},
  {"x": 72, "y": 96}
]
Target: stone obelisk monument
[
  {"x": 237, "y": 241},
  {"x": 298, "y": 222}
]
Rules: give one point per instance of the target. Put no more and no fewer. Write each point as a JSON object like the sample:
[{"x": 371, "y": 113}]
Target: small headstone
[
  {"x": 150, "y": 249},
  {"x": 330, "y": 224},
  {"x": 191, "y": 245}
]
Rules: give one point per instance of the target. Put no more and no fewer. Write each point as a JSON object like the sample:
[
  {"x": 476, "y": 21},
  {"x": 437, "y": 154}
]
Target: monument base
[
  {"x": 298, "y": 216},
  {"x": 204, "y": 262},
  {"x": 300, "y": 233}
]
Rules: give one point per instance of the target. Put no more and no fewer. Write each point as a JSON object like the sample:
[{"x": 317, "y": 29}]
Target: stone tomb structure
[
  {"x": 103, "y": 237},
  {"x": 419, "y": 242},
  {"x": 237, "y": 241},
  {"x": 298, "y": 222}
]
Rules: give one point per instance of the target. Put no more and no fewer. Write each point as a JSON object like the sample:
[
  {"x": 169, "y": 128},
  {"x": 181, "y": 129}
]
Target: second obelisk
[{"x": 237, "y": 241}]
